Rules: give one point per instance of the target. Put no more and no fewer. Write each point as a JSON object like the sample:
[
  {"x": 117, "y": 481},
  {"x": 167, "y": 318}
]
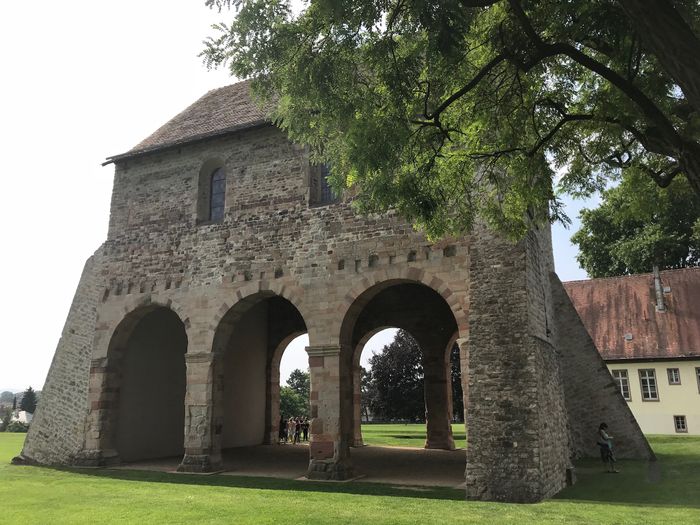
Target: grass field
[
  {"x": 405, "y": 435},
  {"x": 667, "y": 493}
]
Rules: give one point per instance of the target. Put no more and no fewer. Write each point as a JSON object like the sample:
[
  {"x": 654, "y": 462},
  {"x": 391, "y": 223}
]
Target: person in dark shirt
[{"x": 605, "y": 442}]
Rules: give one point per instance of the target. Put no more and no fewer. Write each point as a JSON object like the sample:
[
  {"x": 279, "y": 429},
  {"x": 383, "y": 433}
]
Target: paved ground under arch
[{"x": 392, "y": 465}]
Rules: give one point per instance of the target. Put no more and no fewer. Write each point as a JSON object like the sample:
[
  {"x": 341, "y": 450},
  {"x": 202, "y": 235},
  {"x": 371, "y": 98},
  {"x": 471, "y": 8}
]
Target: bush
[{"x": 17, "y": 426}]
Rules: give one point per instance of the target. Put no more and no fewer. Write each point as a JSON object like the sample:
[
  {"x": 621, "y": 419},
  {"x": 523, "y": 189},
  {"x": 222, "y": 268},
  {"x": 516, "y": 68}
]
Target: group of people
[{"x": 294, "y": 430}]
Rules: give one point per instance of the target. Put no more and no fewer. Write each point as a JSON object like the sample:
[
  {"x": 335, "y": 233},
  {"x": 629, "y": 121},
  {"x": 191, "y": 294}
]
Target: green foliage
[
  {"x": 6, "y": 417},
  {"x": 638, "y": 226},
  {"x": 300, "y": 382},
  {"x": 292, "y": 404},
  {"x": 17, "y": 426},
  {"x": 449, "y": 109},
  {"x": 29, "y": 400},
  {"x": 397, "y": 380}
]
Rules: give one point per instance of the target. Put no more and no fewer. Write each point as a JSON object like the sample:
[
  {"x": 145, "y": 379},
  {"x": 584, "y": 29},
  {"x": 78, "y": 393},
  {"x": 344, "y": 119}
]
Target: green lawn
[
  {"x": 405, "y": 435},
  {"x": 668, "y": 493}
]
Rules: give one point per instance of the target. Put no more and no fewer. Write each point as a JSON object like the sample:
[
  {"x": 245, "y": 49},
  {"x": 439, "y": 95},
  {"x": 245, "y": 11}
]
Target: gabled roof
[
  {"x": 219, "y": 112},
  {"x": 613, "y": 307}
]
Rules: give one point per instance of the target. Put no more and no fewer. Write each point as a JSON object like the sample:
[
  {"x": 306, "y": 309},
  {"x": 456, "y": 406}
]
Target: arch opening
[
  {"x": 249, "y": 342},
  {"x": 147, "y": 352},
  {"x": 424, "y": 314}
]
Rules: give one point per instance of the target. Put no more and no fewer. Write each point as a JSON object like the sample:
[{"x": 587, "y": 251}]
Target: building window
[
  {"x": 680, "y": 424},
  {"x": 623, "y": 383},
  {"x": 217, "y": 195},
  {"x": 697, "y": 375},
  {"x": 674, "y": 376},
  {"x": 320, "y": 192},
  {"x": 211, "y": 192},
  {"x": 647, "y": 378}
]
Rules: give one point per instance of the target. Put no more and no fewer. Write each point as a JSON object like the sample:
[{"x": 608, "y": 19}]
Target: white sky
[{"x": 82, "y": 80}]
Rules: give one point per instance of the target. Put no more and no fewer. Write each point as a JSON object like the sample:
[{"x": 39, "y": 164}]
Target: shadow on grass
[
  {"x": 265, "y": 483},
  {"x": 667, "y": 482}
]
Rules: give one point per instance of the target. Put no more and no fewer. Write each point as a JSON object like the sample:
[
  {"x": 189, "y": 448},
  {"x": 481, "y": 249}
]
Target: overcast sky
[{"x": 83, "y": 80}]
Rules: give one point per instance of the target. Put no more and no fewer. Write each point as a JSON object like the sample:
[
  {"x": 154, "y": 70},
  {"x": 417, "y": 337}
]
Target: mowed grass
[
  {"x": 666, "y": 493},
  {"x": 405, "y": 434}
]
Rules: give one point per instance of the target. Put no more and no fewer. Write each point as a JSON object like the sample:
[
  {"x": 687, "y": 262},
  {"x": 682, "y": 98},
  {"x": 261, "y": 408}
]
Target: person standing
[{"x": 605, "y": 442}]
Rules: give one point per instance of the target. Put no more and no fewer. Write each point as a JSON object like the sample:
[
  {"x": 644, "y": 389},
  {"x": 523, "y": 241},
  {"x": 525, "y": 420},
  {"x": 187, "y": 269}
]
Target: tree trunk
[{"x": 668, "y": 36}]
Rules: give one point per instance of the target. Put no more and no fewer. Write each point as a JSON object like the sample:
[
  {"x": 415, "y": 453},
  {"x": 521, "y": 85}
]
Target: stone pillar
[
  {"x": 437, "y": 389},
  {"x": 518, "y": 443},
  {"x": 356, "y": 440},
  {"x": 329, "y": 448},
  {"x": 103, "y": 399},
  {"x": 203, "y": 425},
  {"x": 272, "y": 402}
]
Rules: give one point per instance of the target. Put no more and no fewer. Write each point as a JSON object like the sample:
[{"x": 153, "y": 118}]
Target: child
[{"x": 606, "y": 448}]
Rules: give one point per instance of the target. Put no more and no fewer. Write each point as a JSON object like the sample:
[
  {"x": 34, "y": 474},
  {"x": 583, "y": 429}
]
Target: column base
[
  {"x": 328, "y": 469},
  {"x": 96, "y": 458},
  {"x": 200, "y": 463},
  {"x": 441, "y": 443}
]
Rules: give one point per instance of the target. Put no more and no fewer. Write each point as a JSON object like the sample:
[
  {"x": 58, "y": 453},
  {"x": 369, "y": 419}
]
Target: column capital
[{"x": 323, "y": 350}]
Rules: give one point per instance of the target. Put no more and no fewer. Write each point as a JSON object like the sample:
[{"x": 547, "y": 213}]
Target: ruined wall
[
  {"x": 591, "y": 394},
  {"x": 57, "y": 432}
]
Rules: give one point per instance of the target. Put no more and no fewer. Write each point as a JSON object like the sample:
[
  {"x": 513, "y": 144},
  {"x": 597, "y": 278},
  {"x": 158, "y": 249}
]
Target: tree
[
  {"x": 5, "y": 417},
  {"x": 292, "y": 404},
  {"x": 294, "y": 398},
  {"x": 368, "y": 393},
  {"x": 300, "y": 382},
  {"x": 450, "y": 109},
  {"x": 457, "y": 392},
  {"x": 397, "y": 377},
  {"x": 29, "y": 400},
  {"x": 638, "y": 226},
  {"x": 6, "y": 397}
]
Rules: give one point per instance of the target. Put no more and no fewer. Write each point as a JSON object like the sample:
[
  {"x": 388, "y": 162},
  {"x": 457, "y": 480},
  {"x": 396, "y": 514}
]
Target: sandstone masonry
[{"x": 196, "y": 313}]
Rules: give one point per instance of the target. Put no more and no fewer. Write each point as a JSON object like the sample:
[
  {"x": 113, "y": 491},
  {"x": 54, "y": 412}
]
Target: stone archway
[
  {"x": 145, "y": 375},
  {"x": 248, "y": 343},
  {"x": 423, "y": 312}
]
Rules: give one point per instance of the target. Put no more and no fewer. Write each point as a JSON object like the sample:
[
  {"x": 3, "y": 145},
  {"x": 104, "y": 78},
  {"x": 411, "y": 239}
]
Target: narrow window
[
  {"x": 697, "y": 375},
  {"x": 320, "y": 190},
  {"x": 623, "y": 383},
  {"x": 647, "y": 379},
  {"x": 680, "y": 423},
  {"x": 217, "y": 195},
  {"x": 674, "y": 376}
]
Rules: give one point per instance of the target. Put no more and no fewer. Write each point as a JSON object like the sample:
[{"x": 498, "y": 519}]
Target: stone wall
[
  {"x": 57, "y": 433},
  {"x": 592, "y": 396},
  {"x": 327, "y": 264}
]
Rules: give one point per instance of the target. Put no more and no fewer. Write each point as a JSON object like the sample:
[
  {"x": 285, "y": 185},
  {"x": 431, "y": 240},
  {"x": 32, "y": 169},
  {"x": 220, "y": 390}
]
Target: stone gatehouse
[{"x": 224, "y": 243}]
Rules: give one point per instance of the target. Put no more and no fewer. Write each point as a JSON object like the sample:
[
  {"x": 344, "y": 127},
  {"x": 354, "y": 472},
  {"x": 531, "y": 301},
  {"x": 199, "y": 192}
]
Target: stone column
[
  {"x": 329, "y": 448},
  {"x": 518, "y": 443},
  {"x": 203, "y": 425},
  {"x": 437, "y": 386},
  {"x": 356, "y": 440},
  {"x": 272, "y": 402},
  {"x": 103, "y": 399}
]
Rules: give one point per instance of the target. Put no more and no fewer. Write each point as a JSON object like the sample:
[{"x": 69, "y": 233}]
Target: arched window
[{"x": 217, "y": 195}]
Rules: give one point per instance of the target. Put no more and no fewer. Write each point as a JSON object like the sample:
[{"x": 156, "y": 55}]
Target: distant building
[{"x": 647, "y": 328}]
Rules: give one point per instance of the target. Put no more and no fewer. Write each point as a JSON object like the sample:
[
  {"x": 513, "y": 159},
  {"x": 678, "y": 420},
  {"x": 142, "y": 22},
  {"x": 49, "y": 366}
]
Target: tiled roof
[
  {"x": 615, "y": 307},
  {"x": 219, "y": 112}
]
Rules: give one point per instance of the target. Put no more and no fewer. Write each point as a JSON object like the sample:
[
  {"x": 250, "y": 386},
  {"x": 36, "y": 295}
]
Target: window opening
[
  {"x": 622, "y": 380},
  {"x": 647, "y": 378},
  {"x": 217, "y": 196},
  {"x": 680, "y": 423},
  {"x": 674, "y": 376}
]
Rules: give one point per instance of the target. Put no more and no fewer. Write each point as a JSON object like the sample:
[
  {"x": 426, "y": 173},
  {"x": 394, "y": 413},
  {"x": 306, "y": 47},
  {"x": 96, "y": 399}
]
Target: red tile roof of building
[
  {"x": 219, "y": 112},
  {"x": 613, "y": 307}
]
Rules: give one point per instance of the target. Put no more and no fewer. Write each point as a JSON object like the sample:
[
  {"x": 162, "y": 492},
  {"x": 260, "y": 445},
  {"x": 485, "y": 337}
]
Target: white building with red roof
[{"x": 647, "y": 329}]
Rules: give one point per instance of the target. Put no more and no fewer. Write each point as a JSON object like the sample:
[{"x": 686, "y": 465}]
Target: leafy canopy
[
  {"x": 638, "y": 226},
  {"x": 449, "y": 109}
]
